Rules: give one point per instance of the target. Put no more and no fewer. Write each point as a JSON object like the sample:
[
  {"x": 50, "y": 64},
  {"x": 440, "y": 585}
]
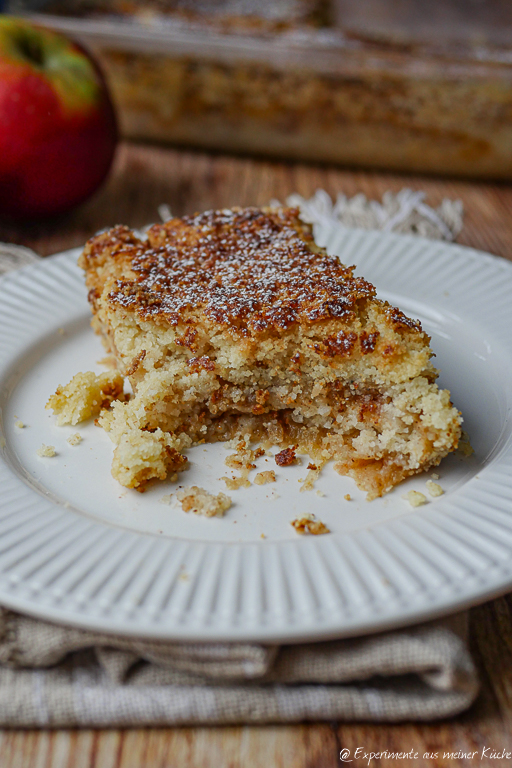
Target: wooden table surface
[{"x": 144, "y": 177}]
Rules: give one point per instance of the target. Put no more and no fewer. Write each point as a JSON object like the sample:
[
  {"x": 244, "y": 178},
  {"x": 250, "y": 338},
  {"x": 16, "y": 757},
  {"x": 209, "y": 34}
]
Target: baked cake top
[{"x": 249, "y": 269}]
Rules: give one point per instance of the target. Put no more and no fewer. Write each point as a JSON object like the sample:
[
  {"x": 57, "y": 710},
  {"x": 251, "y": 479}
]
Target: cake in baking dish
[{"x": 235, "y": 323}]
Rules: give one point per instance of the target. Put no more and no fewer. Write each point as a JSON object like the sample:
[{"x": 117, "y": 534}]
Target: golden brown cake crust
[{"x": 248, "y": 269}]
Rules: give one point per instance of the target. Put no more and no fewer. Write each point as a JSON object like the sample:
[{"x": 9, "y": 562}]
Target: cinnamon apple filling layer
[{"x": 378, "y": 436}]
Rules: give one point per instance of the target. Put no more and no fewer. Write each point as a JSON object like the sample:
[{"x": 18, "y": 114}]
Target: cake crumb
[
  {"x": 166, "y": 499},
  {"x": 75, "y": 438},
  {"x": 308, "y": 524},
  {"x": 234, "y": 461},
  {"x": 243, "y": 461},
  {"x": 347, "y": 497},
  {"x": 195, "y": 499},
  {"x": 434, "y": 476},
  {"x": 434, "y": 489},
  {"x": 415, "y": 498},
  {"x": 19, "y": 424},
  {"x": 262, "y": 536},
  {"x": 234, "y": 483},
  {"x": 285, "y": 457},
  {"x": 85, "y": 396},
  {"x": 46, "y": 451},
  {"x": 262, "y": 478},
  {"x": 312, "y": 476},
  {"x": 141, "y": 456},
  {"x": 320, "y": 493}
]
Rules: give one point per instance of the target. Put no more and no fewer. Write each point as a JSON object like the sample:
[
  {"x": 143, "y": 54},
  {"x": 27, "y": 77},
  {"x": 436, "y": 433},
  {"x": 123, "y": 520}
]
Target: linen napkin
[{"x": 56, "y": 676}]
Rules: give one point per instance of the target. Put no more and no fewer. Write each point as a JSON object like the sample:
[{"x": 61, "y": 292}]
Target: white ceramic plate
[{"x": 76, "y": 547}]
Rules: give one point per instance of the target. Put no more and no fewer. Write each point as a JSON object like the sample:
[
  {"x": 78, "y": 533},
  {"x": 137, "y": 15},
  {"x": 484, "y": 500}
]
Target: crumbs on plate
[
  {"x": 434, "y": 489},
  {"x": 268, "y": 476},
  {"x": 308, "y": 524},
  {"x": 46, "y": 451},
  {"x": 202, "y": 502},
  {"x": 415, "y": 498}
]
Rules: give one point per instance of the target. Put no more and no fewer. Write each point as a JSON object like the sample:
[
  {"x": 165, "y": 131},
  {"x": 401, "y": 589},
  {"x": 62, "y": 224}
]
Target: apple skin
[{"x": 58, "y": 130}]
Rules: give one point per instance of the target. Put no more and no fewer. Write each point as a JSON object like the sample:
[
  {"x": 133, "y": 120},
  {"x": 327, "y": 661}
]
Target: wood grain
[
  {"x": 143, "y": 178},
  {"x": 146, "y": 176}
]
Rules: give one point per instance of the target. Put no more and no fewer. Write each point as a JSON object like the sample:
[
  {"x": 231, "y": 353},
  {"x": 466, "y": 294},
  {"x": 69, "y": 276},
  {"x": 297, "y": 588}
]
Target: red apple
[{"x": 57, "y": 124}]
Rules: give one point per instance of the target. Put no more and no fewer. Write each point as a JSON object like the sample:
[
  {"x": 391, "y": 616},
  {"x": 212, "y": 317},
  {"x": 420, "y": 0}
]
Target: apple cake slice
[{"x": 235, "y": 323}]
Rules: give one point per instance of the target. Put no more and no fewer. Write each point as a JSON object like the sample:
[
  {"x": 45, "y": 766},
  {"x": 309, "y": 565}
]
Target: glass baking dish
[{"x": 304, "y": 92}]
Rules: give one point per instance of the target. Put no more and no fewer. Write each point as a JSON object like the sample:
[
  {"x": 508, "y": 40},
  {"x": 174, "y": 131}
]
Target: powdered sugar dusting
[{"x": 249, "y": 269}]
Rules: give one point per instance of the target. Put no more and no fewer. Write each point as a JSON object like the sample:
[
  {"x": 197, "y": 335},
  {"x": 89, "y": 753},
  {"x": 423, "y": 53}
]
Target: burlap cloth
[{"x": 59, "y": 676}]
